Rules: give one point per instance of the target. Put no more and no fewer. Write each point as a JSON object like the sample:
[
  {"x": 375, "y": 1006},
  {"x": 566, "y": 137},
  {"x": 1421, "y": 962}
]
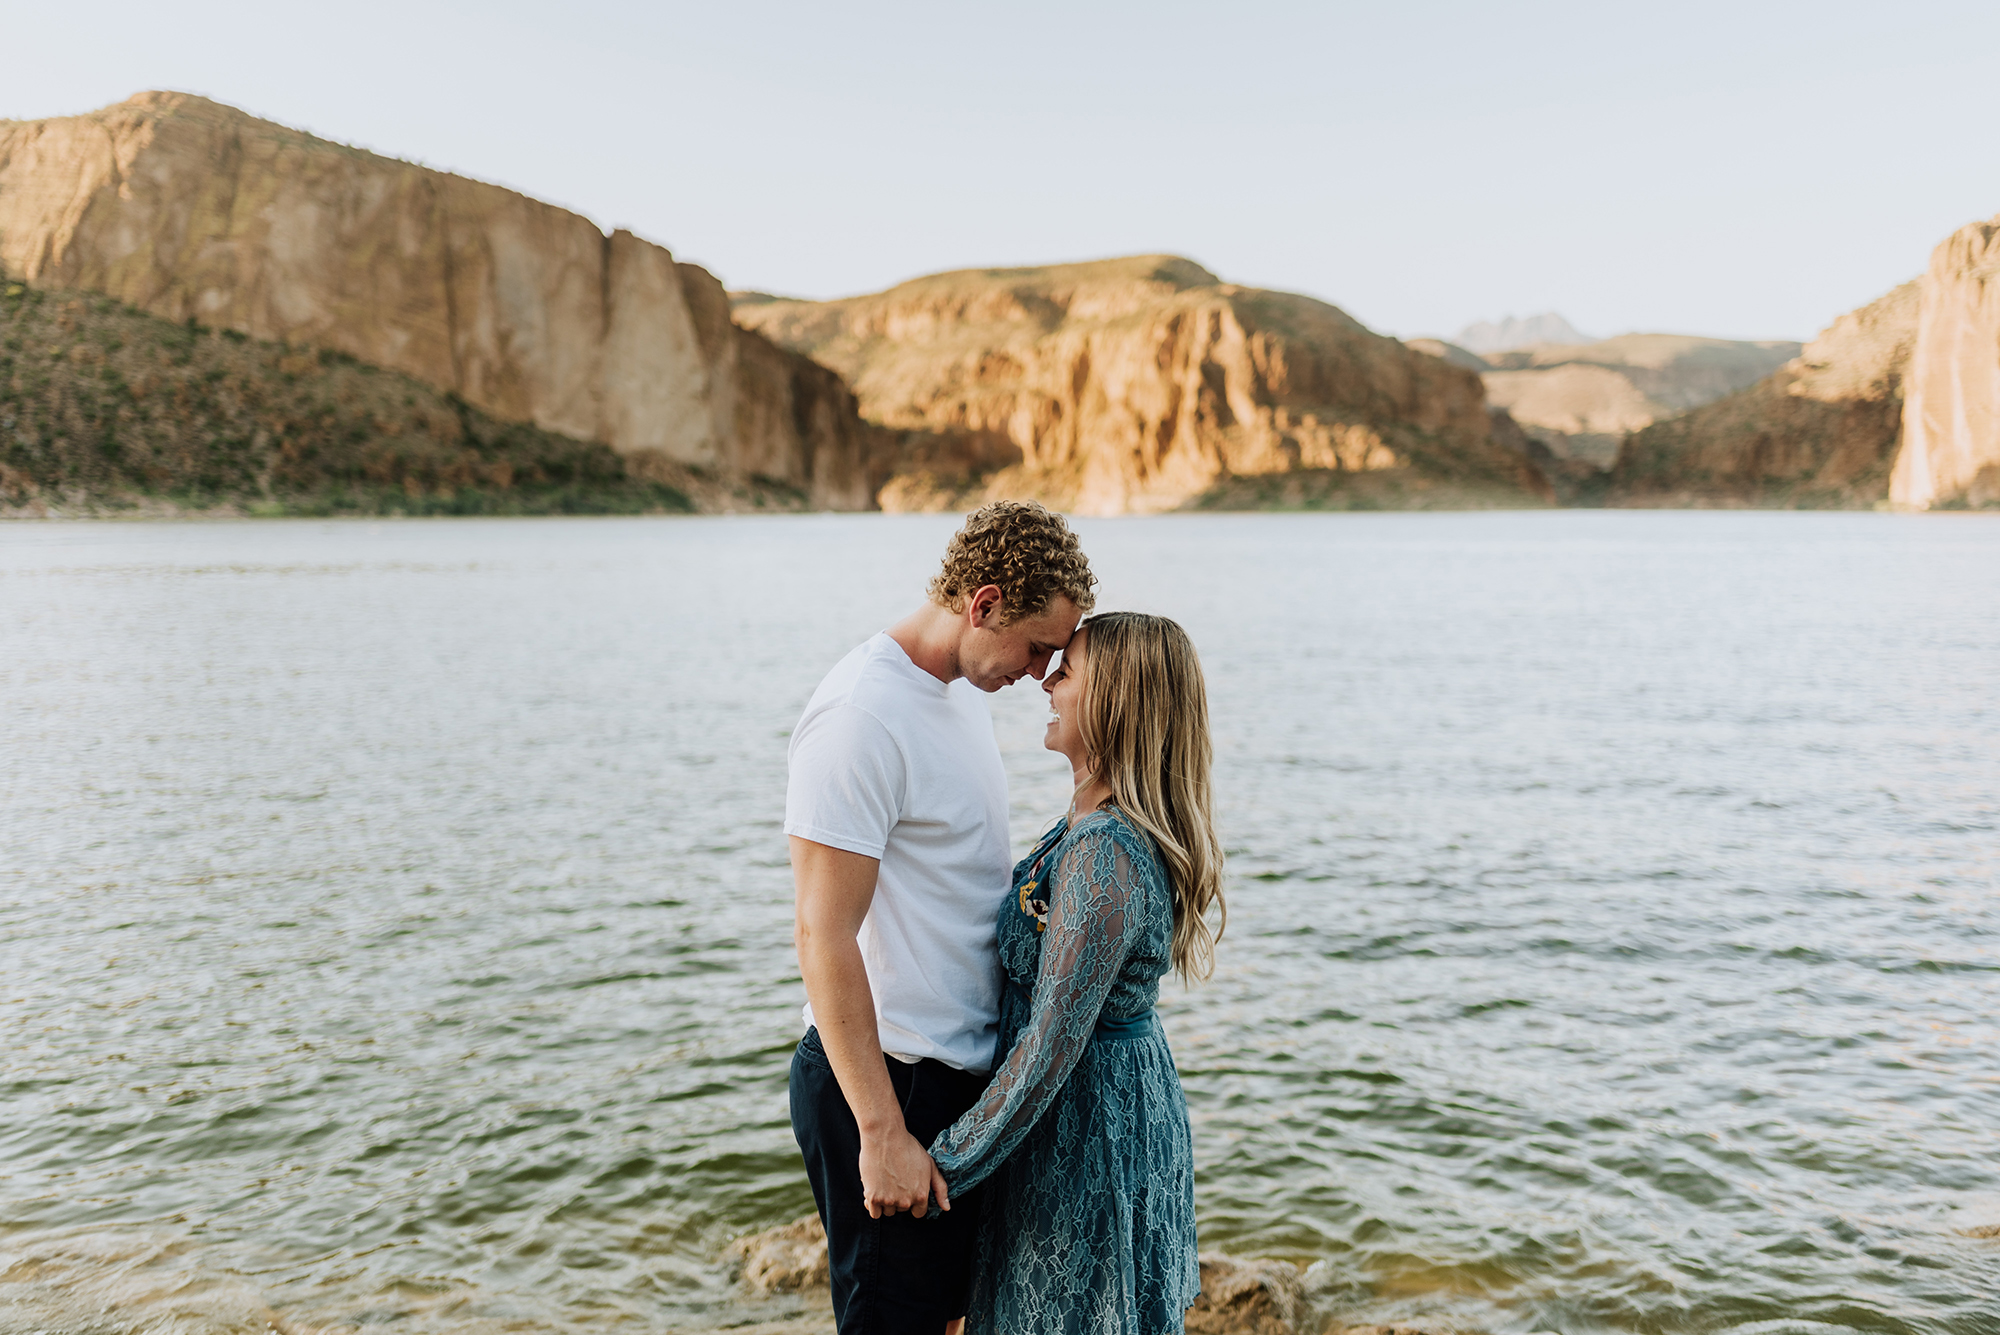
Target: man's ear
[{"x": 985, "y": 605}]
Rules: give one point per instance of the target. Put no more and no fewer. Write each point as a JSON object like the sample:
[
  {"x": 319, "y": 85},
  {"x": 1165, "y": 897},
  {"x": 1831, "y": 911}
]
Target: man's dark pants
[{"x": 898, "y": 1275}]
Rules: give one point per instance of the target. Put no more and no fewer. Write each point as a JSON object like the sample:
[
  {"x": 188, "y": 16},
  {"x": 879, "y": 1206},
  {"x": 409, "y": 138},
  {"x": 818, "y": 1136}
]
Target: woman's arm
[{"x": 1095, "y": 915}]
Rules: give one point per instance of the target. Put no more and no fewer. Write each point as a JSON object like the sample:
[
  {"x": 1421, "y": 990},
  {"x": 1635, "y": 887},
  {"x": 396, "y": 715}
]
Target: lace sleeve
[{"x": 1094, "y": 917}]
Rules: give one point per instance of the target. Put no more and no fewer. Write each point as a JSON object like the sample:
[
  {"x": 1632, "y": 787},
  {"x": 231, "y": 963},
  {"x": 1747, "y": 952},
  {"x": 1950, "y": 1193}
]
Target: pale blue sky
[{"x": 1743, "y": 169}]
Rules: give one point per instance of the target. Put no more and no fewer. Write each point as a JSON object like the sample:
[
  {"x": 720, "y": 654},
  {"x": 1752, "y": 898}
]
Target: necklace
[{"x": 1033, "y": 901}]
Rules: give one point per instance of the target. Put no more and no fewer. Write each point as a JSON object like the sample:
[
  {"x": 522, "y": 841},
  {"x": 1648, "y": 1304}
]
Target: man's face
[{"x": 993, "y": 655}]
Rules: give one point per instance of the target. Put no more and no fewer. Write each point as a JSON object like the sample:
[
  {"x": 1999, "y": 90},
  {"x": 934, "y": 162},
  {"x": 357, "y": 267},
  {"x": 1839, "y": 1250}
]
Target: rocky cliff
[
  {"x": 189, "y": 210},
  {"x": 1822, "y": 430},
  {"x": 1147, "y": 383},
  {"x": 1951, "y": 407}
]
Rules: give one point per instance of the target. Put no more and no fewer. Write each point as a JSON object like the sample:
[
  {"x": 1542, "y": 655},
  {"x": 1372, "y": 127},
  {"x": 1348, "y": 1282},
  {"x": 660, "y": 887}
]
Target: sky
[{"x": 1742, "y": 170}]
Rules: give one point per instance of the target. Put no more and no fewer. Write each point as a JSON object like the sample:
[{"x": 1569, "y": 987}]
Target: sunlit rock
[
  {"x": 1951, "y": 406},
  {"x": 1142, "y": 384}
]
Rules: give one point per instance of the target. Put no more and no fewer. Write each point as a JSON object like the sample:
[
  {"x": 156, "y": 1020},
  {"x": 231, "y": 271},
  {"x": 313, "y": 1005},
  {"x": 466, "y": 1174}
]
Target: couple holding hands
[{"x": 984, "y": 1097}]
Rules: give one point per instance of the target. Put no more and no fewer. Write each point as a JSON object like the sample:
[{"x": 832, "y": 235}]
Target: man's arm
[{"x": 834, "y": 890}]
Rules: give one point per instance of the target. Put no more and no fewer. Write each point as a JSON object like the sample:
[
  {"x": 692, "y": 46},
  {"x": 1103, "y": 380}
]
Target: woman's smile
[{"x": 1065, "y": 689}]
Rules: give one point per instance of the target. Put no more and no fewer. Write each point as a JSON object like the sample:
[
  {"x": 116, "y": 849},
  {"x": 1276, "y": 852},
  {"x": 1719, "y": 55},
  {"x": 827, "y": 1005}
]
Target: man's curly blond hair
[{"x": 1023, "y": 547}]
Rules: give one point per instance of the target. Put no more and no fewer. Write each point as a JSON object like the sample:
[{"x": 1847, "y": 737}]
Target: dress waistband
[{"x": 1142, "y": 1025}]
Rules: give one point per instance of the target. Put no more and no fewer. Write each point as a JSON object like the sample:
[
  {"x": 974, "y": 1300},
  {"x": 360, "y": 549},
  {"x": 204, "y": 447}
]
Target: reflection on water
[{"x": 394, "y": 922}]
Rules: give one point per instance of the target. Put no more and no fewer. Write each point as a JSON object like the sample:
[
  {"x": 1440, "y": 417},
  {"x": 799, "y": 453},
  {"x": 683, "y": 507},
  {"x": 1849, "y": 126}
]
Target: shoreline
[
  {"x": 1240, "y": 1295},
  {"x": 155, "y": 511}
]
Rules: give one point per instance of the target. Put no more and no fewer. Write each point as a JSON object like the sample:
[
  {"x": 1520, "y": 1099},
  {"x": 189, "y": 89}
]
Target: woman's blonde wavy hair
[{"x": 1144, "y": 727}]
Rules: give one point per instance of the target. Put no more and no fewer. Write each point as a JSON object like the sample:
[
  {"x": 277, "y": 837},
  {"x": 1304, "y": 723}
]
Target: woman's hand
[{"x": 939, "y": 1190}]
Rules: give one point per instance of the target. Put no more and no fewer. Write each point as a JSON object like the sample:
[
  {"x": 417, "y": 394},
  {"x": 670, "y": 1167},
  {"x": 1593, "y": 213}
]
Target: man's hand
[{"x": 897, "y": 1175}]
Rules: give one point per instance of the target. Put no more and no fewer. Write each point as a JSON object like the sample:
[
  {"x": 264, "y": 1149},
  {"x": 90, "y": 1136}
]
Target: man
[{"x": 897, "y": 818}]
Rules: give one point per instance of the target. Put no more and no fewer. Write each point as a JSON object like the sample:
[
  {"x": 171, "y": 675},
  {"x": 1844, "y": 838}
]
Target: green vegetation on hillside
[
  {"x": 1335, "y": 489},
  {"x": 104, "y": 408}
]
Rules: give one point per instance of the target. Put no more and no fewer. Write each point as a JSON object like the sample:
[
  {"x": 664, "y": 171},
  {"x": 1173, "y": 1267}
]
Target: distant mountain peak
[{"x": 1510, "y": 333}]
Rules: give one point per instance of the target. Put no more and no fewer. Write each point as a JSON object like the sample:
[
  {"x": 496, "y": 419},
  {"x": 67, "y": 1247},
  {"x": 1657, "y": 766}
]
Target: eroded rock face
[
  {"x": 191, "y": 210},
  {"x": 1137, "y": 384},
  {"x": 1951, "y": 406},
  {"x": 1820, "y": 431}
]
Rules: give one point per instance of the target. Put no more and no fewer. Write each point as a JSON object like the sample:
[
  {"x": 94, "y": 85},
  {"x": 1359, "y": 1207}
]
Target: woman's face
[{"x": 1065, "y": 688}]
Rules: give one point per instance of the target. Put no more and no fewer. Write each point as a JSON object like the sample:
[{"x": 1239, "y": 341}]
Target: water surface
[{"x": 394, "y": 922}]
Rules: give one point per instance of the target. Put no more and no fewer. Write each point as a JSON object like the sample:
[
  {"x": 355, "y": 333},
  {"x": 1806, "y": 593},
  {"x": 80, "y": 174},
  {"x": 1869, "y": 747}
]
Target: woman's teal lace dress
[{"x": 1082, "y": 1138}]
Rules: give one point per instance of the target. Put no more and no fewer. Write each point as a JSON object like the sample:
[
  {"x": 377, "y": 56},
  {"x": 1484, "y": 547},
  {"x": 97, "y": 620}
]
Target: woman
[{"x": 1088, "y": 1225}]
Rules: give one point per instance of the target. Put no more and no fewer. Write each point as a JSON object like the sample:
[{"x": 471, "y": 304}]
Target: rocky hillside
[
  {"x": 1582, "y": 400},
  {"x": 1147, "y": 383},
  {"x": 188, "y": 210},
  {"x": 1951, "y": 412},
  {"x": 106, "y": 409},
  {"x": 1821, "y": 431}
]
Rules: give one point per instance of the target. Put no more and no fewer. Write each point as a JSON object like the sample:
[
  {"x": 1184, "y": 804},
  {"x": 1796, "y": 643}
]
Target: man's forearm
[
  {"x": 896, "y": 1172},
  {"x": 844, "y": 1013},
  {"x": 835, "y": 889}
]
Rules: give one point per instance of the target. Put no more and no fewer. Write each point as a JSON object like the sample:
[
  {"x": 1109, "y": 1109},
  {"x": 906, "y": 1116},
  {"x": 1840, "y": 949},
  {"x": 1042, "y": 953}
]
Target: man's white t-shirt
[{"x": 891, "y": 763}]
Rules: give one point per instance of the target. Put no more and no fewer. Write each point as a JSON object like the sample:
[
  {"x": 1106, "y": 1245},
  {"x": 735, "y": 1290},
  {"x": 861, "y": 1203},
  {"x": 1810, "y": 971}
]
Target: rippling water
[{"x": 397, "y": 928}]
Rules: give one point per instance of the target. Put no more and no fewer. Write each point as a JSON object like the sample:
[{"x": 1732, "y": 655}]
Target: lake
[{"x": 395, "y": 923}]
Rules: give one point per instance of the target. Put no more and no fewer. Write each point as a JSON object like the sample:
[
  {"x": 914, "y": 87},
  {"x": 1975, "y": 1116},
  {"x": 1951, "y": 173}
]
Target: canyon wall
[
  {"x": 1146, "y": 383},
  {"x": 1951, "y": 406},
  {"x": 1822, "y": 430},
  {"x": 193, "y": 211}
]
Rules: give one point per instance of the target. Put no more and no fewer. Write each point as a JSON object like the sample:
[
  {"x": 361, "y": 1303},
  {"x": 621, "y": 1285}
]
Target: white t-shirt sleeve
[{"x": 847, "y": 783}]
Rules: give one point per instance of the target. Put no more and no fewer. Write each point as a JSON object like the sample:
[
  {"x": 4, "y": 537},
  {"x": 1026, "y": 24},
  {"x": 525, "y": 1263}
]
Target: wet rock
[
  {"x": 1330, "y": 1287},
  {"x": 1238, "y": 1297},
  {"x": 784, "y": 1259},
  {"x": 1250, "y": 1298}
]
